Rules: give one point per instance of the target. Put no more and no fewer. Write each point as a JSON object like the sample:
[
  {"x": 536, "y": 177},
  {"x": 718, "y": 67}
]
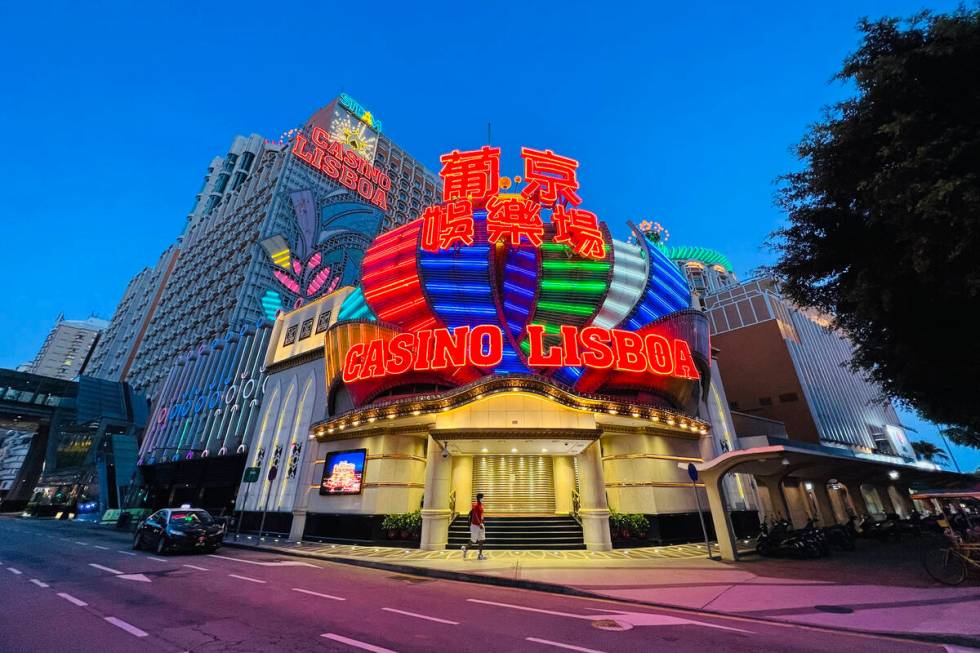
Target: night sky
[{"x": 112, "y": 112}]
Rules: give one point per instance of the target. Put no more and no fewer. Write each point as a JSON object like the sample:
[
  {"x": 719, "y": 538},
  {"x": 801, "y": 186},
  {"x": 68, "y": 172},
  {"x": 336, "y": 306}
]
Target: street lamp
[{"x": 893, "y": 474}]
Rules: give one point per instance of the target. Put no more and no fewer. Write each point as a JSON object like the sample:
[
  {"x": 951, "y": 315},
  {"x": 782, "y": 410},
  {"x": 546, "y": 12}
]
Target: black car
[{"x": 179, "y": 529}]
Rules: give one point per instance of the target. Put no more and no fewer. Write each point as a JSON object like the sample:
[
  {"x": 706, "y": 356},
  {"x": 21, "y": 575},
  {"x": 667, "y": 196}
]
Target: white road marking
[
  {"x": 72, "y": 599},
  {"x": 624, "y": 619},
  {"x": 422, "y": 616},
  {"x": 14, "y": 571},
  {"x": 127, "y": 553},
  {"x": 109, "y": 569},
  {"x": 281, "y": 563},
  {"x": 39, "y": 583},
  {"x": 196, "y": 567},
  {"x": 158, "y": 559},
  {"x": 81, "y": 543},
  {"x": 137, "y": 577},
  {"x": 560, "y": 645},
  {"x": 356, "y": 644},
  {"x": 104, "y": 548},
  {"x": 539, "y": 610},
  {"x": 252, "y": 580},
  {"x": 129, "y": 628},
  {"x": 323, "y": 596}
]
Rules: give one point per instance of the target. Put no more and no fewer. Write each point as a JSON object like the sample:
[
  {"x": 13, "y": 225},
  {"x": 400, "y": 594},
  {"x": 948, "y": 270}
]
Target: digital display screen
[{"x": 343, "y": 472}]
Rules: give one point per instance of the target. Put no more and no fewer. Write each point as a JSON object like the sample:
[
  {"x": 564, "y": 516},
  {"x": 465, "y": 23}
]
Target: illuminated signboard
[
  {"x": 483, "y": 346},
  {"x": 339, "y": 162},
  {"x": 510, "y": 276},
  {"x": 362, "y": 114},
  {"x": 471, "y": 181},
  {"x": 343, "y": 472}
]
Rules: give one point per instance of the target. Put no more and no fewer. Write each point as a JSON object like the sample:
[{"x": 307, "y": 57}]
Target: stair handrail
[
  {"x": 576, "y": 504},
  {"x": 452, "y": 506}
]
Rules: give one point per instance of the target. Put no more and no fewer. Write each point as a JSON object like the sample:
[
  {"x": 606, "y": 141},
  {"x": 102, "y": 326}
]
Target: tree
[
  {"x": 884, "y": 217},
  {"x": 925, "y": 450}
]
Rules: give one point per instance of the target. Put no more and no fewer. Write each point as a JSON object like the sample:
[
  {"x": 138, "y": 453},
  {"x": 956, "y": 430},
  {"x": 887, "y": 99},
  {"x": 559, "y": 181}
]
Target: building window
[
  {"x": 323, "y": 322},
  {"x": 290, "y": 335},
  {"x": 307, "y": 329}
]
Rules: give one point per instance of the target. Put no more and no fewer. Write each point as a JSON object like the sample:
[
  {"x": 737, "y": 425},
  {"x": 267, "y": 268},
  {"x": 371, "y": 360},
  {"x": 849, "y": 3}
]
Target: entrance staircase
[{"x": 521, "y": 532}]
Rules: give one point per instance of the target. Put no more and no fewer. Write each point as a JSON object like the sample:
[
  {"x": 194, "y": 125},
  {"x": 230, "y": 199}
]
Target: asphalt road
[{"x": 68, "y": 587}]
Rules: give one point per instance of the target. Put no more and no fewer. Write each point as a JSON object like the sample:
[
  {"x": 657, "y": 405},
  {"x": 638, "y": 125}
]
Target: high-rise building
[
  {"x": 67, "y": 347},
  {"x": 784, "y": 363},
  {"x": 118, "y": 344},
  {"x": 278, "y": 224}
]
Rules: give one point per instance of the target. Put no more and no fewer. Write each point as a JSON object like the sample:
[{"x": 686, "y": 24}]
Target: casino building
[
  {"x": 564, "y": 386},
  {"x": 276, "y": 225}
]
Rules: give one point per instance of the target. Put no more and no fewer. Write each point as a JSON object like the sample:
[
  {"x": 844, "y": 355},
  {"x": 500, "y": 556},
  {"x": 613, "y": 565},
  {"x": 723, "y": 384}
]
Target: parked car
[{"x": 179, "y": 529}]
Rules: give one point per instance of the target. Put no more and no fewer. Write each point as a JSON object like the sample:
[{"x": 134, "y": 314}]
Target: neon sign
[
  {"x": 471, "y": 181},
  {"x": 362, "y": 114},
  {"x": 483, "y": 345},
  {"x": 344, "y": 165}
]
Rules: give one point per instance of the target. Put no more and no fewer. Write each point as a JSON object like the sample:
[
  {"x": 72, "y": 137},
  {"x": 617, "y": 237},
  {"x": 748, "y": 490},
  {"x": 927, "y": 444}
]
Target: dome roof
[{"x": 699, "y": 254}]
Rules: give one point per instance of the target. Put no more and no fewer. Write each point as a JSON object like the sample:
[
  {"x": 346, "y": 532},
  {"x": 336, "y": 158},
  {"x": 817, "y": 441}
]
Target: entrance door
[{"x": 515, "y": 484}]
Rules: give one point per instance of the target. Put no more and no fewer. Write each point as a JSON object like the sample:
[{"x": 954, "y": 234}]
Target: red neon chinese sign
[
  {"x": 343, "y": 165},
  {"x": 471, "y": 180},
  {"x": 482, "y": 346}
]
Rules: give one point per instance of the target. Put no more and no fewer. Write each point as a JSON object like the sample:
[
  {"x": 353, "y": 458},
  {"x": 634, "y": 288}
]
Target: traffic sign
[
  {"x": 692, "y": 471},
  {"x": 251, "y": 475},
  {"x": 273, "y": 472}
]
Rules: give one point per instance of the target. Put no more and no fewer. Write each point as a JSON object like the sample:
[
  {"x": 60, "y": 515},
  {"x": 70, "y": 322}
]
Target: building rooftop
[{"x": 700, "y": 254}]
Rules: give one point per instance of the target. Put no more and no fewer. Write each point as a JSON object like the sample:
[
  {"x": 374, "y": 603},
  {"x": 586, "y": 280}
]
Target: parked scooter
[{"x": 782, "y": 541}]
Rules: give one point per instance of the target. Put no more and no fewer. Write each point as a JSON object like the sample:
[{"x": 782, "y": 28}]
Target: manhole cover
[
  {"x": 836, "y": 609},
  {"x": 609, "y": 624}
]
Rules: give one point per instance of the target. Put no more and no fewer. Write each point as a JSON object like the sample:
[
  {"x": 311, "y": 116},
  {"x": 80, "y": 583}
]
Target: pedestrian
[{"x": 478, "y": 530}]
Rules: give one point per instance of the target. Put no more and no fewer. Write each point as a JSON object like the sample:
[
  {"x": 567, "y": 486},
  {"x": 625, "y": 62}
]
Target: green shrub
[{"x": 638, "y": 525}]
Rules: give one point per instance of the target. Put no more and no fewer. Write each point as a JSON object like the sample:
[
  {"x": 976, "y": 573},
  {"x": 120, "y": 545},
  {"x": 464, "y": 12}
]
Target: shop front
[{"x": 506, "y": 344}]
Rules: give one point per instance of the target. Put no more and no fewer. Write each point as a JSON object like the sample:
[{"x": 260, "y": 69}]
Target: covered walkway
[{"x": 799, "y": 481}]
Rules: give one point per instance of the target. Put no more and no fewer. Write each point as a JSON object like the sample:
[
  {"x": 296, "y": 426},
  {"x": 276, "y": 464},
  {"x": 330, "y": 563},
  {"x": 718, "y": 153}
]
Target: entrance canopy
[{"x": 782, "y": 457}]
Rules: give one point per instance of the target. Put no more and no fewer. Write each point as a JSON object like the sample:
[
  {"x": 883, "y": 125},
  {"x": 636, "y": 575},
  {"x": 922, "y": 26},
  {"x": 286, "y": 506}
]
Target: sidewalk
[{"x": 880, "y": 588}]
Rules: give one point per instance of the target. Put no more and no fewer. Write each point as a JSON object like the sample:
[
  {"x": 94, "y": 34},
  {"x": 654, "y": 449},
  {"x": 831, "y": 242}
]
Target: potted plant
[
  {"x": 639, "y": 525},
  {"x": 619, "y": 525},
  {"x": 391, "y": 525},
  {"x": 413, "y": 522}
]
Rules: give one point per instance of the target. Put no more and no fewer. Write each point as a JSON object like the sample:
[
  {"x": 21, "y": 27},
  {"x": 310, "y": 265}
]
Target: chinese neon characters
[{"x": 471, "y": 181}]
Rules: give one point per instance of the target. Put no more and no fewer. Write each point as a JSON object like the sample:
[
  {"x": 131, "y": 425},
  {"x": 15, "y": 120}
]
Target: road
[{"x": 69, "y": 587}]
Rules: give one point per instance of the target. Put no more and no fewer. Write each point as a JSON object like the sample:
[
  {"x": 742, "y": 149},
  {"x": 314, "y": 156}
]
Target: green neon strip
[
  {"x": 574, "y": 286},
  {"x": 565, "y": 307},
  {"x": 595, "y": 266},
  {"x": 561, "y": 247}
]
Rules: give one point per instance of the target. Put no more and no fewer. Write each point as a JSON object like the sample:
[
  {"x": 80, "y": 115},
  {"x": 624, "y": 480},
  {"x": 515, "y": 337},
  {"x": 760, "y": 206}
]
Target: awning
[{"x": 769, "y": 456}]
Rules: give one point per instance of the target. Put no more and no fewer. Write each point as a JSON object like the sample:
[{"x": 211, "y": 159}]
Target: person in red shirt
[{"x": 478, "y": 531}]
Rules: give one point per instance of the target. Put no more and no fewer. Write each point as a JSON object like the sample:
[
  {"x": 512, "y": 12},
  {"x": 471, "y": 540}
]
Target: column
[
  {"x": 463, "y": 483},
  {"x": 824, "y": 505},
  {"x": 886, "y": 499},
  {"x": 775, "y": 491},
  {"x": 436, "y": 512},
  {"x": 857, "y": 499},
  {"x": 720, "y": 517},
  {"x": 594, "y": 511},
  {"x": 564, "y": 484}
]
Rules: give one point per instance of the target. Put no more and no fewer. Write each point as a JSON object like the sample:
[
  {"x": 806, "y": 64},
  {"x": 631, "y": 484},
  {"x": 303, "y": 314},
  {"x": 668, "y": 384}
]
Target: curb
[{"x": 554, "y": 588}]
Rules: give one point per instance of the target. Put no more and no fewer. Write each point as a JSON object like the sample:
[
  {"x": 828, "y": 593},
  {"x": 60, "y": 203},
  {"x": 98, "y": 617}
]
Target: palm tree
[{"x": 925, "y": 450}]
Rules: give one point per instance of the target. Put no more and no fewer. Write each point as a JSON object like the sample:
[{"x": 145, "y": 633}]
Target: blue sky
[{"x": 111, "y": 113}]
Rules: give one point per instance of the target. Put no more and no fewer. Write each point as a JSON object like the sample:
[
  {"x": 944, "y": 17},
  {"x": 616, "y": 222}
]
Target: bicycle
[{"x": 951, "y": 565}]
